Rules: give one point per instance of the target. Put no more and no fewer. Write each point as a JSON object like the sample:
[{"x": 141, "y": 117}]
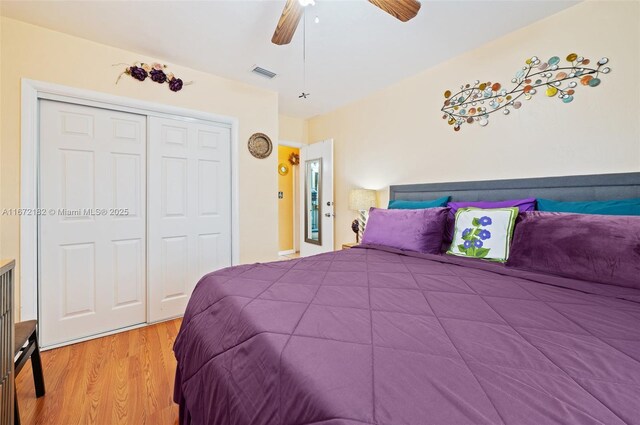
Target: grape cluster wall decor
[
  {"x": 156, "y": 73},
  {"x": 474, "y": 103}
]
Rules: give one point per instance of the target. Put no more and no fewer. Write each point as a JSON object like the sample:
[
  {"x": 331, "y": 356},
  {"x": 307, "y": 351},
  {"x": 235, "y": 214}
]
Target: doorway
[
  {"x": 288, "y": 200},
  {"x": 316, "y": 190}
]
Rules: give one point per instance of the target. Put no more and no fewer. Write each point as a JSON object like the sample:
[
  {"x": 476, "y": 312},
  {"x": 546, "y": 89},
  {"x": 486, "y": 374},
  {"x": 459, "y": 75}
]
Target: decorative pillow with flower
[{"x": 483, "y": 233}]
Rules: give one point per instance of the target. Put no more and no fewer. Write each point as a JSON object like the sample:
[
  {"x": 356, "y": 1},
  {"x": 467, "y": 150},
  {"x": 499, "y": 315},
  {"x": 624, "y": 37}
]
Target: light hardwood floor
[
  {"x": 125, "y": 378},
  {"x": 289, "y": 256}
]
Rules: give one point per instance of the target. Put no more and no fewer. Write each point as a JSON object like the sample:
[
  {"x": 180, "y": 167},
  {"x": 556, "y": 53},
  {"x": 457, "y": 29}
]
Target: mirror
[{"x": 313, "y": 201}]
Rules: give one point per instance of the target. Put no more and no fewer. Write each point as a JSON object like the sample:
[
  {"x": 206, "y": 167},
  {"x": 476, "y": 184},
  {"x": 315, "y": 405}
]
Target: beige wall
[
  {"x": 393, "y": 136},
  {"x": 398, "y": 135},
  {"x": 293, "y": 129},
  {"x": 32, "y": 52},
  {"x": 1, "y": 190}
]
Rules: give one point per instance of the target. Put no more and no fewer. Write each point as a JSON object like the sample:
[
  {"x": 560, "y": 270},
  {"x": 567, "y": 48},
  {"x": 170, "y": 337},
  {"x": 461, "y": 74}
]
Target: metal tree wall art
[{"x": 474, "y": 103}]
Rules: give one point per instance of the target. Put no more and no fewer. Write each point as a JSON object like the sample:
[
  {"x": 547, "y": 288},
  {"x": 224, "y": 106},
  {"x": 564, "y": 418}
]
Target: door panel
[
  {"x": 189, "y": 209},
  {"x": 322, "y": 151},
  {"x": 175, "y": 268},
  {"x": 92, "y": 264},
  {"x": 208, "y": 252},
  {"x": 207, "y": 201},
  {"x": 78, "y": 184},
  {"x": 128, "y": 266},
  {"x": 78, "y": 279},
  {"x": 174, "y": 187},
  {"x": 127, "y": 171}
]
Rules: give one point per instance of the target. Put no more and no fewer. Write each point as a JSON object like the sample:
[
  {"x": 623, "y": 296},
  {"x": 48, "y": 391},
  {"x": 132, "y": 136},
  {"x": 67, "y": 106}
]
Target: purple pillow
[
  {"x": 411, "y": 230},
  {"x": 597, "y": 248},
  {"x": 527, "y": 204}
]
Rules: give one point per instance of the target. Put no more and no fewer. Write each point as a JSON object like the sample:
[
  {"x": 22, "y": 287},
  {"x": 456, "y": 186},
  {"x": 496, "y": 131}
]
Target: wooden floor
[
  {"x": 125, "y": 378},
  {"x": 289, "y": 256}
]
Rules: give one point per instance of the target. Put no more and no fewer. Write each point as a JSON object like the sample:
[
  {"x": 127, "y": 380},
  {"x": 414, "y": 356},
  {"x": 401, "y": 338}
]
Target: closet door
[
  {"x": 189, "y": 199},
  {"x": 92, "y": 238}
]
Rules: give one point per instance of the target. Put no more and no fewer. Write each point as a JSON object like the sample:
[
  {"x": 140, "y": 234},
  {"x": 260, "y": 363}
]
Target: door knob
[
  {"x": 329, "y": 215},
  {"x": 329, "y": 203}
]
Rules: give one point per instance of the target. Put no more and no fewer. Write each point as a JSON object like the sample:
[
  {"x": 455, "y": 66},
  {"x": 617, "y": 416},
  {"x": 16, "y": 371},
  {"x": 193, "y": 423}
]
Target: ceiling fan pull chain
[{"x": 304, "y": 55}]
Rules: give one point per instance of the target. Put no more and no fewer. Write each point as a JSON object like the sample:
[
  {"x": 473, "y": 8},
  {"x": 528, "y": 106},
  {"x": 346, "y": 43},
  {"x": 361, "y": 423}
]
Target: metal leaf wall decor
[{"x": 474, "y": 103}]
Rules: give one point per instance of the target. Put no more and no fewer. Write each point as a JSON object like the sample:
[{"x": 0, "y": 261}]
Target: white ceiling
[{"x": 354, "y": 50}]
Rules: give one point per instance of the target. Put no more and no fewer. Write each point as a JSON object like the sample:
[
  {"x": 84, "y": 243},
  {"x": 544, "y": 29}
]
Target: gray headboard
[{"x": 571, "y": 188}]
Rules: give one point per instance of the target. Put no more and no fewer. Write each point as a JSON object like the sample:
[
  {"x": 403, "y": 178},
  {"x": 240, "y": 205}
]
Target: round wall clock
[
  {"x": 260, "y": 145},
  {"x": 283, "y": 169}
]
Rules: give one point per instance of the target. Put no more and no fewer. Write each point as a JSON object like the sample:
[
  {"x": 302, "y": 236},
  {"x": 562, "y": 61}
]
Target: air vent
[{"x": 263, "y": 72}]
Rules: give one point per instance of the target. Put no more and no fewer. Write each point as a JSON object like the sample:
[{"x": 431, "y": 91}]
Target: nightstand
[{"x": 349, "y": 245}]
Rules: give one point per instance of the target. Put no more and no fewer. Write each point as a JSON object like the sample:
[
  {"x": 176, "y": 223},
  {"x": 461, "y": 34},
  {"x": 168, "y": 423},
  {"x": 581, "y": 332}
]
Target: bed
[{"x": 373, "y": 335}]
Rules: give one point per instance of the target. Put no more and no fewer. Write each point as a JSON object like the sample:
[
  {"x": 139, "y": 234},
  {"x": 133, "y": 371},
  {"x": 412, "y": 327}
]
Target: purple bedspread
[{"x": 372, "y": 336}]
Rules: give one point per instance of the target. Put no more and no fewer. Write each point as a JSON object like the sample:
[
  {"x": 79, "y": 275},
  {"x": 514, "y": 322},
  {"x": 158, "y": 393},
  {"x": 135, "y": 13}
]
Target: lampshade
[{"x": 362, "y": 199}]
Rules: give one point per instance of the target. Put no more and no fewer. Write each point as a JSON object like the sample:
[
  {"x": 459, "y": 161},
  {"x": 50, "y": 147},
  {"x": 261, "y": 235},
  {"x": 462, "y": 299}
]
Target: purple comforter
[{"x": 371, "y": 336}]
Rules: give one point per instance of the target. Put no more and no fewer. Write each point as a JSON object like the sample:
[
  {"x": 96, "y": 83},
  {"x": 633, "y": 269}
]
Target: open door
[{"x": 316, "y": 191}]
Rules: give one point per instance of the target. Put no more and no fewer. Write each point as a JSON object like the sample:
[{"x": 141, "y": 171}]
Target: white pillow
[{"x": 483, "y": 233}]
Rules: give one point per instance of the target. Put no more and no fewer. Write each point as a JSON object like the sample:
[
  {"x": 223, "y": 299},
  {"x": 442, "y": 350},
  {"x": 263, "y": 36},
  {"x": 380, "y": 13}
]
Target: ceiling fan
[{"x": 403, "y": 10}]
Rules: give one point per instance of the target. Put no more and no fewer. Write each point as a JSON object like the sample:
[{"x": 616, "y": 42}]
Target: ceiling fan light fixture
[{"x": 305, "y": 3}]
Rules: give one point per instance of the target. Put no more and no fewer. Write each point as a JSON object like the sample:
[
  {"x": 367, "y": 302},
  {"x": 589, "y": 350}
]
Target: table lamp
[{"x": 361, "y": 200}]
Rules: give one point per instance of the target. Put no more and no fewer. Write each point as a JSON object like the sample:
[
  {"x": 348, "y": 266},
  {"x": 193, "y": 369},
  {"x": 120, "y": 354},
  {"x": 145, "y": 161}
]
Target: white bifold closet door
[
  {"x": 91, "y": 254},
  {"x": 189, "y": 199}
]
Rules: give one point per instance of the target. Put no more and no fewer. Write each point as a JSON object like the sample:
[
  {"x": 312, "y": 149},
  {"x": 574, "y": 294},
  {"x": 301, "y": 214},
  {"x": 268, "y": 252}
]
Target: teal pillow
[
  {"x": 617, "y": 207},
  {"x": 399, "y": 204}
]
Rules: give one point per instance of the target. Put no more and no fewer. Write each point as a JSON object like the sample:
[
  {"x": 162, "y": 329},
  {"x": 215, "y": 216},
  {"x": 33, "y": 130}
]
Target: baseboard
[
  {"x": 287, "y": 252},
  {"x": 102, "y": 334}
]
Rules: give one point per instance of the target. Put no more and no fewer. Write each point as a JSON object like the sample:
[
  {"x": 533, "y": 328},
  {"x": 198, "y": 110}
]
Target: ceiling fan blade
[
  {"x": 288, "y": 23},
  {"x": 403, "y": 10}
]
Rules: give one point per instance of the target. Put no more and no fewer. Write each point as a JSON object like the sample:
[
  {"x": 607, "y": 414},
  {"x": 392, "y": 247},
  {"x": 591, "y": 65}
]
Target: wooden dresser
[{"x": 6, "y": 342}]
